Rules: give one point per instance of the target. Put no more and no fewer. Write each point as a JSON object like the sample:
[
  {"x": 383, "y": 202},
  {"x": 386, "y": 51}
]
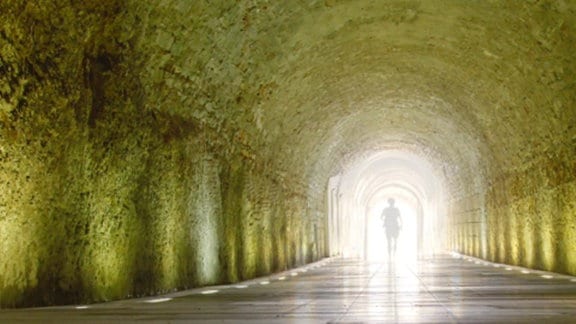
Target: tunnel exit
[
  {"x": 376, "y": 242},
  {"x": 358, "y": 197}
]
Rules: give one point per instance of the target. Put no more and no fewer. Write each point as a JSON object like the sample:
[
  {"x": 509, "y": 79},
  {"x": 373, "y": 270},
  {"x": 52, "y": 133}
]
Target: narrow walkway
[{"x": 447, "y": 289}]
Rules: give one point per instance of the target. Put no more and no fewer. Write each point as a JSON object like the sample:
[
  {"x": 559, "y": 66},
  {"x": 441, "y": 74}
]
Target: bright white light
[
  {"x": 158, "y": 300},
  {"x": 525, "y": 271},
  {"x": 358, "y": 196},
  {"x": 294, "y": 274},
  {"x": 477, "y": 262},
  {"x": 547, "y": 276},
  {"x": 265, "y": 282},
  {"x": 303, "y": 270},
  {"x": 241, "y": 286},
  {"x": 209, "y": 292},
  {"x": 407, "y": 241},
  {"x": 508, "y": 268},
  {"x": 282, "y": 278},
  {"x": 573, "y": 280},
  {"x": 82, "y": 307},
  {"x": 496, "y": 266}
]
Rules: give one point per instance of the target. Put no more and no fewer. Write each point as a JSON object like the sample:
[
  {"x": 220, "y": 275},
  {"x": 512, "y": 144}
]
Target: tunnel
[{"x": 150, "y": 147}]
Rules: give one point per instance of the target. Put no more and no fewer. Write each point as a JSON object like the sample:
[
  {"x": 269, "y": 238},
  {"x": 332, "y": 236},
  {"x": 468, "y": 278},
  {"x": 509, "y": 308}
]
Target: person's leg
[{"x": 389, "y": 243}]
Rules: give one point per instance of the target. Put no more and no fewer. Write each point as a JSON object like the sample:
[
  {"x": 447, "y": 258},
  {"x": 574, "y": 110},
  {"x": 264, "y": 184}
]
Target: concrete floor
[{"x": 447, "y": 289}]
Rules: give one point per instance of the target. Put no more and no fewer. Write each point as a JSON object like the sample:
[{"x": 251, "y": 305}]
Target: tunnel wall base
[
  {"x": 121, "y": 212},
  {"x": 529, "y": 218}
]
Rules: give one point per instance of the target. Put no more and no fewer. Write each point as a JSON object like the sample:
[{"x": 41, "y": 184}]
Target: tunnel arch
[
  {"x": 360, "y": 112},
  {"x": 386, "y": 171},
  {"x": 394, "y": 190},
  {"x": 148, "y": 146}
]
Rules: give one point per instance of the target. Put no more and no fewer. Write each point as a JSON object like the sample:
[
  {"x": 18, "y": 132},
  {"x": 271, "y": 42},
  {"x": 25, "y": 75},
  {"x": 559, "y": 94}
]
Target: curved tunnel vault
[{"x": 149, "y": 146}]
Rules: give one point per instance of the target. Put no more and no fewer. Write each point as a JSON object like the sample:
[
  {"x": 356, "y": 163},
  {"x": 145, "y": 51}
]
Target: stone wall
[
  {"x": 147, "y": 146},
  {"x": 526, "y": 201},
  {"x": 532, "y": 215},
  {"x": 523, "y": 218},
  {"x": 107, "y": 194}
]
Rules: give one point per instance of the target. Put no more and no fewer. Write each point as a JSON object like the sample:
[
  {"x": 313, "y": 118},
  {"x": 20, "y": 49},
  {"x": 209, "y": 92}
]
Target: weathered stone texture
[
  {"x": 532, "y": 216},
  {"x": 147, "y": 146},
  {"x": 110, "y": 188}
]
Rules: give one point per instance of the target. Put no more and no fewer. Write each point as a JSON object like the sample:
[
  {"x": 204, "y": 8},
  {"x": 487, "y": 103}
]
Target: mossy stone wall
[
  {"x": 105, "y": 195},
  {"x": 147, "y": 146},
  {"x": 532, "y": 216},
  {"x": 529, "y": 217}
]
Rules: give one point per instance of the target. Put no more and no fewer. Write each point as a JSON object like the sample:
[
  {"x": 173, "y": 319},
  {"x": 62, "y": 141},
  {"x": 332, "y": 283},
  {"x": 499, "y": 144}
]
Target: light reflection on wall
[{"x": 206, "y": 216}]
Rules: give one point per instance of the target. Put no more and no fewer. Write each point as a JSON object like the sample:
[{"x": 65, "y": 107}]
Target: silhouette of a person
[{"x": 393, "y": 224}]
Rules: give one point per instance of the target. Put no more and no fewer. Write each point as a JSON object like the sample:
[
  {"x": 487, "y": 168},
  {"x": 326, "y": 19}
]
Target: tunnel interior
[{"x": 148, "y": 146}]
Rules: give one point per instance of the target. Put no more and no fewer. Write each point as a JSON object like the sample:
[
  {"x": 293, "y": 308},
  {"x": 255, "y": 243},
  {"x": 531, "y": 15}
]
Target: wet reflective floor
[{"x": 446, "y": 289}]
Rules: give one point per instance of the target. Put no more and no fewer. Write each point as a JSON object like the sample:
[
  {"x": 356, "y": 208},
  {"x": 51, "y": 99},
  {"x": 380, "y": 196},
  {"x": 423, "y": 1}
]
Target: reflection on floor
[{"x": 446, "y": 289}]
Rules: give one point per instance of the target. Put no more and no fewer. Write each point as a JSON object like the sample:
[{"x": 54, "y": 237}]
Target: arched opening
[{"x": 358, "y": 196}]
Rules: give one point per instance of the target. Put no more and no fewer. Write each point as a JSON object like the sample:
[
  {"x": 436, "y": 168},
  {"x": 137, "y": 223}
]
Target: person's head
[{"x": 391, "y": 201}]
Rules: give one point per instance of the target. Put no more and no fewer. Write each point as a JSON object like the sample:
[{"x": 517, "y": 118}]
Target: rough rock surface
[{"x": 147, "y": 146}]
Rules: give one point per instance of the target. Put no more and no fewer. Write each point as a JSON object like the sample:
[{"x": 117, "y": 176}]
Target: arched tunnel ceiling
[
  {"x": 470, "y": 81},
  {"x": 391, "y": 170},
  {"x": 478, "y": 86}
]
